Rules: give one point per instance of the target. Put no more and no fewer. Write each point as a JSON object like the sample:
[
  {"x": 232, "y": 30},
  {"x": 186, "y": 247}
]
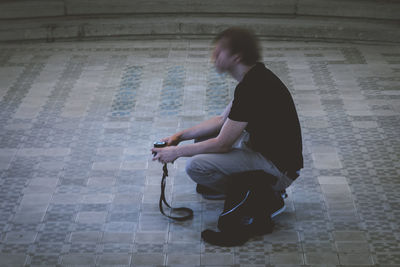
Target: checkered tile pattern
[{"x": 78, "y": 186}]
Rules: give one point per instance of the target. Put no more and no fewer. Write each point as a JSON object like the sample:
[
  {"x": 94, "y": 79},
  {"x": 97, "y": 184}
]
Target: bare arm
[
  {"x": 209, "y": 127},
  {"x": 229, "y": 133}
]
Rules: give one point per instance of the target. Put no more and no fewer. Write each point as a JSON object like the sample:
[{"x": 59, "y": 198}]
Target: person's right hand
[{"x": 172, "y": 140}]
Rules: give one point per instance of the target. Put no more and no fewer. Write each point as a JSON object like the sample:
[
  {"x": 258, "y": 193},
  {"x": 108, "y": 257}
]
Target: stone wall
[{"x": 355, "y": 20}]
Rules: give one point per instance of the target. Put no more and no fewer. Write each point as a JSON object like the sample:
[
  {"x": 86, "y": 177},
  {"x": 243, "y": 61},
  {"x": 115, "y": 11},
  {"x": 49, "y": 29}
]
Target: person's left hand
[{"x": 166, "y": 154}]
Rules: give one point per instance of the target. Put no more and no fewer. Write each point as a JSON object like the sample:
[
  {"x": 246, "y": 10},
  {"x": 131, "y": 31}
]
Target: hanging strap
[{"x": 163, "y": 200}]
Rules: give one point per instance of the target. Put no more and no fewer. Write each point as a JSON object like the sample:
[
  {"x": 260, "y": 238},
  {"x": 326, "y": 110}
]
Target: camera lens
[{"x": 159, "y": 144}]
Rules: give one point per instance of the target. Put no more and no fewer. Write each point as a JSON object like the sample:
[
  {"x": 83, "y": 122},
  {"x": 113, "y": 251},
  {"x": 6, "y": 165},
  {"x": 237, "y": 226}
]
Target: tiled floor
[{"x": 78, "y": 186}]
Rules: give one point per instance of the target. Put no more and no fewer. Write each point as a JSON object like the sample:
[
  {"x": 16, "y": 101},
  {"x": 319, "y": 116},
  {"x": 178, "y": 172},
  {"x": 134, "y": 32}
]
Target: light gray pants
[{"x": 212, "y": 169}]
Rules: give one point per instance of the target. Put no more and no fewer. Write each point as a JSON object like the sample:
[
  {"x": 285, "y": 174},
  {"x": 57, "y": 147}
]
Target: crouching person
[{"x": 255, "y": 144}]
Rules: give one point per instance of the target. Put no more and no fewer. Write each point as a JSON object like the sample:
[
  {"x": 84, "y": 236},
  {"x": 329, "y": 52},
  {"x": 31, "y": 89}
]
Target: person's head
[{"x": 240, "y": 45}]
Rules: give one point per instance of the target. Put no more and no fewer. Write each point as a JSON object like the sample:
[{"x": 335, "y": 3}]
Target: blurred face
[{"x": 222, "y": 57}]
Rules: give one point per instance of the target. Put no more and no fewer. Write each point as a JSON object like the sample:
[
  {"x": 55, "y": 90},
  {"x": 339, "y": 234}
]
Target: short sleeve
[{"x": 241, "y": 105}]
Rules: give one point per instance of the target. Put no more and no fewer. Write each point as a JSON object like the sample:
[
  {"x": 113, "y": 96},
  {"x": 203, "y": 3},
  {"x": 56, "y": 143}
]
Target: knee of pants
[{"x": 196, "y": 168}]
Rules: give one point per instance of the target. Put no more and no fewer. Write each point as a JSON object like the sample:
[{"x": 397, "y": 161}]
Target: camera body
[{"x": 159, "y": 144}]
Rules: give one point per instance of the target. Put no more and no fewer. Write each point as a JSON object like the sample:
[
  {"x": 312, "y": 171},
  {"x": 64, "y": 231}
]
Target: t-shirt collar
[{"x": 254, "y": 69}]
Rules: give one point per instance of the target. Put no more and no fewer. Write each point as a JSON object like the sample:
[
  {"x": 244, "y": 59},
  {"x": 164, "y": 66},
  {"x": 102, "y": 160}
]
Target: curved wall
[{"x": 350, "y": 20}]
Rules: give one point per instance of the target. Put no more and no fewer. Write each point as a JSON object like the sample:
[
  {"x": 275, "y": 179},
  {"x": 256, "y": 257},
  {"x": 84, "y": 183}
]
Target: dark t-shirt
[{"x": 262, "y": 100}]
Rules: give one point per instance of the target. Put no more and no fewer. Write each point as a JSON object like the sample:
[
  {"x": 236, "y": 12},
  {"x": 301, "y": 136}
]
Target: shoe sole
[{"x": 276, "y": 213}]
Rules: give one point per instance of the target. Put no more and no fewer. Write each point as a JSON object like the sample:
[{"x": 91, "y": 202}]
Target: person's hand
[
  {"x": 172, "y": 140},
  {"x": 165, "y": 154}
]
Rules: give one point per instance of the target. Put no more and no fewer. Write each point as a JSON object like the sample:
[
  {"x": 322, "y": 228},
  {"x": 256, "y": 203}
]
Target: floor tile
[{"x": 78, "y": 186}]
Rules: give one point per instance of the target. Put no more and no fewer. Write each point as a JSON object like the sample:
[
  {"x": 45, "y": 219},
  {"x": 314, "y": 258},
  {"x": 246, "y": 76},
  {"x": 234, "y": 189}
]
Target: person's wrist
[
  {"x": 178, "y": 152},
  {"x": 178, "y": 137}
]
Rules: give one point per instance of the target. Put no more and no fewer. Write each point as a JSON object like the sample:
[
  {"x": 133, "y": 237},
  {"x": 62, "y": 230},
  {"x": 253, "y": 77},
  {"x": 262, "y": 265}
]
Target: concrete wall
[
  {"x": 378, "y": 9},
  {"x": 362, "y": 20}
]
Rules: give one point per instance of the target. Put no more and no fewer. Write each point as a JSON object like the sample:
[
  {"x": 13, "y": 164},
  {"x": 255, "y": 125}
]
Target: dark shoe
[
  {"x": 224, "y": 239},
  {"x": 247, "y": 210},
  {"x": 244, "y": 215},
  {"x": 248, "y": 229},
  {"x": 209, "y": 193},
  {"x": 250, "y": 195},
  {"x": 277, "y": 205}
]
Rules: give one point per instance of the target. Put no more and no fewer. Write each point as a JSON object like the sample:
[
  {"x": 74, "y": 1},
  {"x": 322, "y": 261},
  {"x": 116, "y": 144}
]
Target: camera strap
[{"x": 188, "y": 211}]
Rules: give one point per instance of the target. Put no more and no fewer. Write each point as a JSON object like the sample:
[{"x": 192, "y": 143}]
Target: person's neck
[{"x": 240, "y": 71}]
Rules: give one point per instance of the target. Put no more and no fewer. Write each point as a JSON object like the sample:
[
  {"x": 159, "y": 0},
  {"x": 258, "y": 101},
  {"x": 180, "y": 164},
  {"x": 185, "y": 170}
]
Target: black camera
[{"x": 159, "y": 144}]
